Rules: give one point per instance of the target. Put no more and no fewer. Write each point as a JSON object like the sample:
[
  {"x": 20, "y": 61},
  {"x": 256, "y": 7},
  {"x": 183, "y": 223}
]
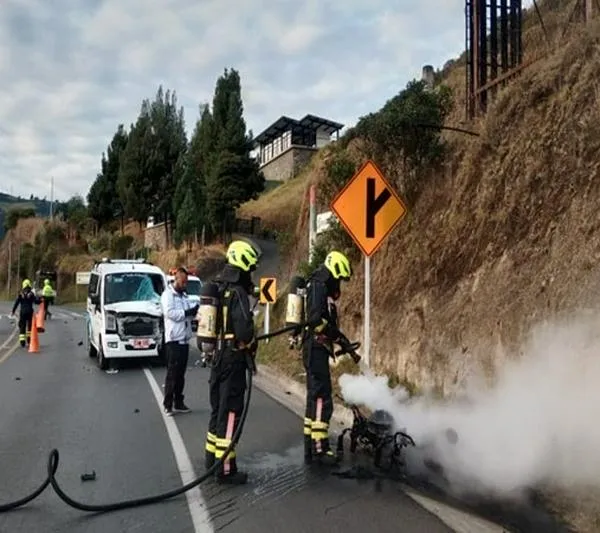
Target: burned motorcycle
[{"x": 375, "y": 435}]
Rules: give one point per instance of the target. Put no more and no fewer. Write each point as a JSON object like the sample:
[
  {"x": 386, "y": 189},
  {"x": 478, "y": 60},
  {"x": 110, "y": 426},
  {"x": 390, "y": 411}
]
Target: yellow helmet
[
  {"x": 339, "y": 266},
  {"x": 26, "y": 283},
  {"x": 242, "y": 255}
]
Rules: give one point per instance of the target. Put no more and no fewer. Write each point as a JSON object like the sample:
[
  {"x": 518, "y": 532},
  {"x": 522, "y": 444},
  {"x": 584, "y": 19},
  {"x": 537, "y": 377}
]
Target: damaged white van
[{"x": 124, "y": 315}]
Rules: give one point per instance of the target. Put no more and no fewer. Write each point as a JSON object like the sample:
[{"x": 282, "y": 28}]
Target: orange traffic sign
[
  {"x": 369, "y": 208},
  {"x": 268, "y": 290}
]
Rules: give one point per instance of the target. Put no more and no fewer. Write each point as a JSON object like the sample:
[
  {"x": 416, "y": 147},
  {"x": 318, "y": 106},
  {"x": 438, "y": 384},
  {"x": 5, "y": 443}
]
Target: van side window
[{"x": 93, "y": 286}]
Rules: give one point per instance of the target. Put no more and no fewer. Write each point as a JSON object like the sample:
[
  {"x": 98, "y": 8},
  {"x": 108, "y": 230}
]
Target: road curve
[{"x": 112, "y": 425}]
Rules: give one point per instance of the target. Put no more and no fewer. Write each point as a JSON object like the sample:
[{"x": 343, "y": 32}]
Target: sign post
[
  {"x": 369, "y": 209},
  {"x": 268, "y": 295}
]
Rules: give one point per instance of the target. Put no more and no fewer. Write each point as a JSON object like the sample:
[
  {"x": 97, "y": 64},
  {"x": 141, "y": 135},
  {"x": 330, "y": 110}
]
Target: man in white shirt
[{"x": 177, "y": 313}]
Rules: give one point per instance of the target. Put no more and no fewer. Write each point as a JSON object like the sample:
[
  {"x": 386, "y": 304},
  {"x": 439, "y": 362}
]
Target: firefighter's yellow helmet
[
  {"x": 339, "y": 266},
  {"x": 242, "y": 255}
]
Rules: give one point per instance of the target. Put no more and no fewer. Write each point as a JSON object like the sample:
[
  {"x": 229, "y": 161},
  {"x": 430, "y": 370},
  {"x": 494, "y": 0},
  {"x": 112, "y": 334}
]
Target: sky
[{"x": 73, "y": 70}]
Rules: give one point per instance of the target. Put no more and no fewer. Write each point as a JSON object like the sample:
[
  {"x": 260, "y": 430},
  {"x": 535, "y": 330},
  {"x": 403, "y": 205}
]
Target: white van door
[{"x": 93, "y": 301}]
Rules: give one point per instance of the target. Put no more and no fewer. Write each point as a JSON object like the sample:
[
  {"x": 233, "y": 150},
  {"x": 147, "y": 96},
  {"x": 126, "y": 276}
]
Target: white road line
[
  {"x": 9, "y": 339},
  {"x": 196, "y": 502},
  {"x": 64, "y": 314}
]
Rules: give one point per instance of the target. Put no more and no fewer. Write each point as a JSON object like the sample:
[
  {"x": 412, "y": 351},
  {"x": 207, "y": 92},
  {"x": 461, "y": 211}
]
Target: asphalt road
[{"x": 112, "y": 424}]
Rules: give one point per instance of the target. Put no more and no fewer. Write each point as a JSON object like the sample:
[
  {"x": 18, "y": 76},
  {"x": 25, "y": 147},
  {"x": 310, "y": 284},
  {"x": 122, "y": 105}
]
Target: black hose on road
[{"x": 53, "y": 461}]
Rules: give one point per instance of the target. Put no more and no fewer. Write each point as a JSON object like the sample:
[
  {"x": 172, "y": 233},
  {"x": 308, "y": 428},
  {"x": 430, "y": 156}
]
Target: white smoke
[{"x": 540, "y": 423}]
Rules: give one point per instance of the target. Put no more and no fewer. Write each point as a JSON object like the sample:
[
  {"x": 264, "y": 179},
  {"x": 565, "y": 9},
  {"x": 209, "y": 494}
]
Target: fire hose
[{"x": 53, "y": 461}]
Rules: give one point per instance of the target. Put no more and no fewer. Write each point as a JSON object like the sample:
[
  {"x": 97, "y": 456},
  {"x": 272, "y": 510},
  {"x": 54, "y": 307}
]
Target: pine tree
[
  {"x": 104, "y": 203},
  {"x": 134, "y": 188},
  {"x": 196, "y": 165},
  {"x": 186, "y": 222},
  {"x": 234, "y": 177},
  {"x": 168, "y": 144}
]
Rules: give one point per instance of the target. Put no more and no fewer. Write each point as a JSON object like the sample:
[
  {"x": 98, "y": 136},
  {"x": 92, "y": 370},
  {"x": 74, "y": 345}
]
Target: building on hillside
[{"x": 287, "y": 145}]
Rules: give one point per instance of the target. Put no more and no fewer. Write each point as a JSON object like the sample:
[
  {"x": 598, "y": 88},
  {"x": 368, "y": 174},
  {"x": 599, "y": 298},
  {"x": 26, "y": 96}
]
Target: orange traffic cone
[
  {"x": 40, "y": 318},
  {"x": 34, "y": 344}
]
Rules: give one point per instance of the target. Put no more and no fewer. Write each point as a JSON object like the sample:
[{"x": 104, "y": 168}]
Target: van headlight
[{"x": 110, "y": 321}]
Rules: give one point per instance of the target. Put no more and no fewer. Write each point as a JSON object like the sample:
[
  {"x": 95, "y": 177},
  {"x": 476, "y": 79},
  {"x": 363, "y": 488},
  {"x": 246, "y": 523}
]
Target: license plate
[{"x": 141, "y": 343}]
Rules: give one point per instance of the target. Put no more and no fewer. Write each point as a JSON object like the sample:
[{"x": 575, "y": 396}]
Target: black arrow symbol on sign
[
  {"x": 265, "y": 290},
  {"x": 374, "y": 205}
]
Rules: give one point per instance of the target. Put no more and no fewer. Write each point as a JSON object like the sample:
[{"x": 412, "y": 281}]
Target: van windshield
[
  {"x": 132, "y": 287},
  {"x": 193, "y": 287}
]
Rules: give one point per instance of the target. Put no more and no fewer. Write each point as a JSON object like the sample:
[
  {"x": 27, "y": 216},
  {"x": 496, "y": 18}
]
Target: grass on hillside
[{"x": 279, "y": 206}]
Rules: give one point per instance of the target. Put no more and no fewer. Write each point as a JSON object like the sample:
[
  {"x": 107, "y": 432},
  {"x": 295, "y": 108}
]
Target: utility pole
[
  {"x": 52, "y": 199},
  {"x": 8, "y": 288},
  {"x": 19, "y": 262}
]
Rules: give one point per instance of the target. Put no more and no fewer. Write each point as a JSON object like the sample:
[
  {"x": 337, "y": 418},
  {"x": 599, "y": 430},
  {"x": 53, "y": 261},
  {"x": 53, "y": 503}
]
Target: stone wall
[
  {"x": 288, "y": 164},
  {"x": 155, "y": 237}
]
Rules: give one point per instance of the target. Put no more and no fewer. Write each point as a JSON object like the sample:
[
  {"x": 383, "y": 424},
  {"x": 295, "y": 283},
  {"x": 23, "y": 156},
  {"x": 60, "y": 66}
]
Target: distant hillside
[{"x": 7, "y": 202}]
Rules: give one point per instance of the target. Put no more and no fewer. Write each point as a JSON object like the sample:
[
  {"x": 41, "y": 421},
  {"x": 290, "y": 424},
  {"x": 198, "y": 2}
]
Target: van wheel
[{"x": 102, "y": 362}]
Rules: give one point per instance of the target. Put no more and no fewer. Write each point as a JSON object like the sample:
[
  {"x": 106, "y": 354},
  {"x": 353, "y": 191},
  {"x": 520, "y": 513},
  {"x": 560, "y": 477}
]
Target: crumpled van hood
[{"x": 148, "y": 307}]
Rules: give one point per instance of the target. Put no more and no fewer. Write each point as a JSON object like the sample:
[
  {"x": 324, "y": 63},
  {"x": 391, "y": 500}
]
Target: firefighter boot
[
  {"x": 307, "y": 449},
  {"x": 327, "y": 458},
  {"x": 237, "y": 478},
  {"x": 307, "y": 441},
  {"x": 209, "y": 460},
  {"x": 231, "y": 477},
  {"x": 209, "y": 451}
]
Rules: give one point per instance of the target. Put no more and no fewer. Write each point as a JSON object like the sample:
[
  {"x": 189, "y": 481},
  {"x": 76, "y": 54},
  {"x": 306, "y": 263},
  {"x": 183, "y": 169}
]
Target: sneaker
[
  {"x": 181, "y": 408},
  {"x": 168, "y": 411}
]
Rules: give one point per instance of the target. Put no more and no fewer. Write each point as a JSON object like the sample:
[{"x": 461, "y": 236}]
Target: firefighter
[
  {"x": 237, "y": 343},
  {"x": 48, "y": 294},
  {"x": 322, "y": 291},
  {"x": 26, "y": 299}
]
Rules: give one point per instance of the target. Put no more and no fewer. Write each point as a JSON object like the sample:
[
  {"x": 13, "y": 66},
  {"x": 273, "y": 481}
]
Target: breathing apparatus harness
[
  {"x": 214, "y": 331},
  {"x": 295, "y": 317},
  {"x": 211, "y": 316}
]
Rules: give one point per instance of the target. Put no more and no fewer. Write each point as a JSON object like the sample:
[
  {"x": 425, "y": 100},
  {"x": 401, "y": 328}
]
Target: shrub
[
  {"x": 15, "y": 214},
  {"x": 120, "y": 245}
]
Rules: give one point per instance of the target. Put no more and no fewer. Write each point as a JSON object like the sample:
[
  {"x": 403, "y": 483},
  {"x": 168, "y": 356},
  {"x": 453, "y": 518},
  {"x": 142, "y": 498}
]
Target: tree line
[{"x": 193, "y": 185}]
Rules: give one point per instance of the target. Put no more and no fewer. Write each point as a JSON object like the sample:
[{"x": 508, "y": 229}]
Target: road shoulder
[{"x": 291, "y": 394}]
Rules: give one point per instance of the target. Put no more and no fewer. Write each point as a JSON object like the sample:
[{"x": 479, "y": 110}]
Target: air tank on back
[{"x": 206, "y": 335}]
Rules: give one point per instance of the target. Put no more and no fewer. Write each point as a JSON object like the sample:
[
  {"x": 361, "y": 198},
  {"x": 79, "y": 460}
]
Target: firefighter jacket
[
  {"x": 236, "y": 319},
  {"x": 321, "y": 313},
  {"x": 25, "y": 299}
]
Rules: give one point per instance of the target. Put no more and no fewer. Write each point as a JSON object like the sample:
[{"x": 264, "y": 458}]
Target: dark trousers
[
  {"x": 177, "y": 359},
  {"x": 25, "y": 321},
  {"x": 319, "y": 402},
  {"x": 227, "y": 388},
  {"x": 47, "y": 301}
]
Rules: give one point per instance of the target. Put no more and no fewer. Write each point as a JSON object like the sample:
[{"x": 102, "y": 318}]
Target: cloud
[{"x": 72, "y": 71}]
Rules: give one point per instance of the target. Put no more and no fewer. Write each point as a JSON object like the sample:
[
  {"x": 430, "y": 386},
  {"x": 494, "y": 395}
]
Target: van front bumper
[{"x": 134, "y": 347}]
